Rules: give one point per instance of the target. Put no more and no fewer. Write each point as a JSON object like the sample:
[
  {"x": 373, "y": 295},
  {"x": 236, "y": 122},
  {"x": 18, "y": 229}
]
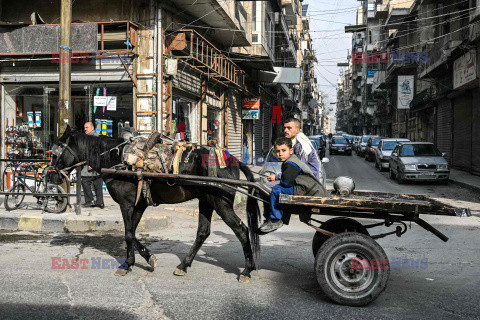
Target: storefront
[{"x": 30, "y": 115}]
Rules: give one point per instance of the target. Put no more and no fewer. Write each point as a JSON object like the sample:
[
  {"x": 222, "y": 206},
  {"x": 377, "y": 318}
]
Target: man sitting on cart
[
  {"x": 296, "y": 178},
  {"x": 302, "y": 148}
]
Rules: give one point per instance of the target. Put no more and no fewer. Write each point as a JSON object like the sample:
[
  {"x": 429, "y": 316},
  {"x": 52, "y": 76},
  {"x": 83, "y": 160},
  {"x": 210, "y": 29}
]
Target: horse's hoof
[
  {"x": 152, "y": 261},
  {"x": 244, "y": 279},
  {"x": 121, "y": 272},
  {"x": 179, "y": 272}
]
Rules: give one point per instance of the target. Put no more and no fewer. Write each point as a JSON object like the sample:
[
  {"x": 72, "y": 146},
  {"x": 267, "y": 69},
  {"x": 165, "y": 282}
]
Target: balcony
[
  {"x": 193, "y": 50},
  {"x": 93, "y": 39},
  {"x": 381, "y": 11},
  {"x": 229, "y": 19},
  {"x": 397, "y": 11},
  {"x": 475, "y": 13},
  {"x": 291, "y": 7},
  {"x": 439, "y": 53}
]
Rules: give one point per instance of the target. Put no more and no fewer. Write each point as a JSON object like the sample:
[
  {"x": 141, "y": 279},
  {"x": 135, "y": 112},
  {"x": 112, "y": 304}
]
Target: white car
[
  {"x": 273, "y": 166},
  {"x": 384, "y": 151}
]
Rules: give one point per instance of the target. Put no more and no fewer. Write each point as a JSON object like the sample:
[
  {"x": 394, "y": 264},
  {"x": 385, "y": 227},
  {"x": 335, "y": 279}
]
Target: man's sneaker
[{"x": 270, "y": 226}]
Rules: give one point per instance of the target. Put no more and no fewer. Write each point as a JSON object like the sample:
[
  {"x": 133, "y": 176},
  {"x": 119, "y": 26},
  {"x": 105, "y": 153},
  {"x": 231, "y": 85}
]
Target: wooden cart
[{"x": 350, "y": 266}]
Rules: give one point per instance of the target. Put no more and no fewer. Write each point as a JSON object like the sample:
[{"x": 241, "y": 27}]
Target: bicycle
[{"x": 51, "y": 204}]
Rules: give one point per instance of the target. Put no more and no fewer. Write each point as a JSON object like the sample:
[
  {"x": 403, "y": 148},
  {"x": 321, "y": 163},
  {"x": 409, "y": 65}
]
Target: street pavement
[{"x": 443, "y": 286}]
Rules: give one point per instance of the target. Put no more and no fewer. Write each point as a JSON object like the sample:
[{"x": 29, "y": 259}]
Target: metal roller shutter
[
  {"x": 234, "y": 125},
  {"x": 267, "y": 129},
  {"x": 476, "y": 131},
  {"x": 444, "y": 128},
  {"x": 462, "y": 131},
  {"x": 257, "y": 139}
]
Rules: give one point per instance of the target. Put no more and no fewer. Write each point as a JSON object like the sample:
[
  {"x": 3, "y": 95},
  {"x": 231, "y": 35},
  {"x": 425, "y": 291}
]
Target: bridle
[{"x": 60, "y": 148}]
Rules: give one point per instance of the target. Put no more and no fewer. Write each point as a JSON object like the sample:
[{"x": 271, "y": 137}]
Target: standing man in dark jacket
[{"x": 89, "y": 176}]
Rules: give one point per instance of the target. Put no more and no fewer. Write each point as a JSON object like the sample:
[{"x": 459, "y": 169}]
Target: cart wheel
[
  {"x": 12, "y": 202},
  {"x": 352, "y": 269},
  {"x": 336, "y": 225},
  {"x": 54, "y": 204}
]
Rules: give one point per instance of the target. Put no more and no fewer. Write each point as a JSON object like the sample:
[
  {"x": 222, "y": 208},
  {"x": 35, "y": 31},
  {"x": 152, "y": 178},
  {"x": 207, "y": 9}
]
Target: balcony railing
[{"x": 197, "y": 52}]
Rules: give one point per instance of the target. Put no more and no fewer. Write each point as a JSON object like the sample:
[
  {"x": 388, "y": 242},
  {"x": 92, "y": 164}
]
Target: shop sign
[
  {"x": 251, "y": 114},
  {"x": 464, "y": 69},
  {"x": 405, "y": 91},
  {"x": 106, "y": 101},
  {"x": 111, "y": 103},
  {"x": 251, "y": 108},
  {"x": 251, "y": 103},
  {"x": 100, "y": 101}
]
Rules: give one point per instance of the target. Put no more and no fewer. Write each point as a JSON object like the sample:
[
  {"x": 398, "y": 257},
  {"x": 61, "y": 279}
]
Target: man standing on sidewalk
[{"x": 89, "y": 176}]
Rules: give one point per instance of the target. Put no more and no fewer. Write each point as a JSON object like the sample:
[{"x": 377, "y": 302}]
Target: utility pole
[{"x": 66, "y": 110}]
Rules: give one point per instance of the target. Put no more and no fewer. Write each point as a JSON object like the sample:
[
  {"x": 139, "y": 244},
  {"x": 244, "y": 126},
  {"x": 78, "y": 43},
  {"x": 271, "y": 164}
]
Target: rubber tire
[
  {"x": 356, "y": 242},
  {"x": 391, "y": 175},
  {"x": 12, "y": 189},
  {"x": 64, "y": 203},
  {"x": 336, "y": 225}
]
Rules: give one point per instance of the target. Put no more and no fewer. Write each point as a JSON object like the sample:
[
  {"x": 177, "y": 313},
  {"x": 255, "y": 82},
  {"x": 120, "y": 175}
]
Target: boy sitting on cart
[{"x": 296, "y": 179}]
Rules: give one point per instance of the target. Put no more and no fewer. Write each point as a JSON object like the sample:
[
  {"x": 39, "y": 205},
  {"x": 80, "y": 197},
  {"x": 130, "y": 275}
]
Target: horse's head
[{"x": 65, "y": 153}]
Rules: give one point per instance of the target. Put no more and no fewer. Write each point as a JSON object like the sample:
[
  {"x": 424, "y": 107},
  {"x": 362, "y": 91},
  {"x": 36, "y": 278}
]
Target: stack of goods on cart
[{"x": 22, "y": 144}]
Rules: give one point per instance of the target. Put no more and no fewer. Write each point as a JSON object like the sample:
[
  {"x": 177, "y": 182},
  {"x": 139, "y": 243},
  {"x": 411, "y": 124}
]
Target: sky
[{"x": 327, "y": 23}]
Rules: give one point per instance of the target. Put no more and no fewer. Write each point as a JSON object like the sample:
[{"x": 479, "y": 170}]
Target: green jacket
[{"x": 306, "y": 184}]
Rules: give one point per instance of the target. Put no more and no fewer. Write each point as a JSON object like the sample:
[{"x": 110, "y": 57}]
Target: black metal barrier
[{"x": 34, "y": 169}]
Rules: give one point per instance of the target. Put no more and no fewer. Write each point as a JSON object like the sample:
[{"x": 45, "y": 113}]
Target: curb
[
  {"x": 465, "y": 185},
  {"x": 73, "y": 223}
]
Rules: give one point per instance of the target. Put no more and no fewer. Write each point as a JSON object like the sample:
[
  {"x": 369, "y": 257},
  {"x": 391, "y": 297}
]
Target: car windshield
[
  {"x": 314, "y": 143},
  {"x": 339, "y": 141},
  {"x": 419, "y": 150},
  {"x": 375, "y": 142},
  {"x": 365, "y": 139},
  {"x": 389, "y": 145}
]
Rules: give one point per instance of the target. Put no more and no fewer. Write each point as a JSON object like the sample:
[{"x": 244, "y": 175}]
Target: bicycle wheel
[
  {"x": 54, "y": 204},
  {"x": 12, "y": 202}
]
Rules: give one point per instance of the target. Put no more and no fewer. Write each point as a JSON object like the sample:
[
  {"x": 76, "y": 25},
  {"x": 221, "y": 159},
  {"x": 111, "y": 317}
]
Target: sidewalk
[
  {"x": 465, "y": 179},
  {"x": 30, "y": 217}
]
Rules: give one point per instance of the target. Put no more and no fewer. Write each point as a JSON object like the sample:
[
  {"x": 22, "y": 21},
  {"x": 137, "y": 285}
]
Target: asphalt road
[{"x": 445, "y": 287}]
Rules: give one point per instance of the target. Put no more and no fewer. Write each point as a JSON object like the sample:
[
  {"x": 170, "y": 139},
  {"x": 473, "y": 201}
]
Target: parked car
[
  {"x": 321, "y": 142},
  {"x": 418, "y": 161},
  {"x": 371, "y": 148},
  {"x": 363, "y": 145},
  {"x": 340, "y": 145},
  {"x": 384, "y": 151},
  {"x": 273, "y": 166}
]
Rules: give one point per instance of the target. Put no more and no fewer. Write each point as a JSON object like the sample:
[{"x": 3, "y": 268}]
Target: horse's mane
[{"x": 90, "y": 148}]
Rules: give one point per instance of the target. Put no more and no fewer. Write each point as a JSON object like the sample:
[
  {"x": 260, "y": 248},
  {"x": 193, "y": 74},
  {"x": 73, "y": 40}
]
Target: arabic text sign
[
  {"x": 464, "y": 69},
  {"x": 251, "y": 103}
]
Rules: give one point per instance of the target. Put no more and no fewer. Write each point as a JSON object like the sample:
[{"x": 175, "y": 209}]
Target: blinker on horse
[{"x": 77, "y": 147}]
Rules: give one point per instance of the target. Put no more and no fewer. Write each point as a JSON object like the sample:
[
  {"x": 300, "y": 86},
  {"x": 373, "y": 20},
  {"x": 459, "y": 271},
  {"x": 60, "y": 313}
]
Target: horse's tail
[{"x": 253, "y": 213}]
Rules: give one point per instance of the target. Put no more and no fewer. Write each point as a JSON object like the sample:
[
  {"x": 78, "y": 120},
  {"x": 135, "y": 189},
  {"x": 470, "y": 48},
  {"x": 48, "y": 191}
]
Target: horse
[{"x": 75, "y": 147}]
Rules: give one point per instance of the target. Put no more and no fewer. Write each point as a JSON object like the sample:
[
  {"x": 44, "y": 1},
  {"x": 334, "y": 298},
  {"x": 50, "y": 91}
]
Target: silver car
[
  {"x": 362, "y": 145},
  {"x": 384, "y": 151},
  {"x": 273, "y": 166},
  {"x": 418, "y": 161}
]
